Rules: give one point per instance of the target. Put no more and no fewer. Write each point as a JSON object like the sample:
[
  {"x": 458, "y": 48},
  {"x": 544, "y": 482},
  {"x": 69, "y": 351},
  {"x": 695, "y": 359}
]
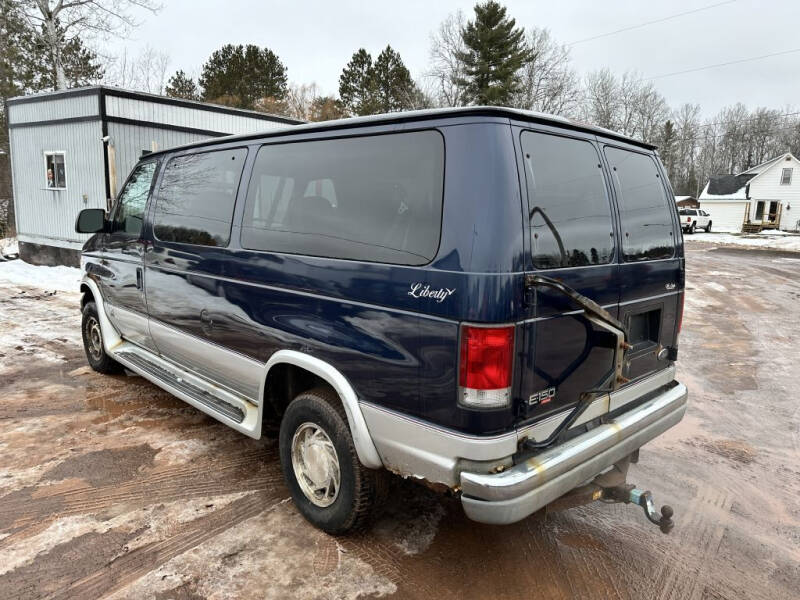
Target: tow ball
[{"x": 633, "y": 495}]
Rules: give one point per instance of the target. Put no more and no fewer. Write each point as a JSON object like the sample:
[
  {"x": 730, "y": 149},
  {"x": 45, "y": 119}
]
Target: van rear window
[
  {"x": 570, "y": 215},
  {"x": 646, "y": 214},
  {"x": 375, "y": 198}
]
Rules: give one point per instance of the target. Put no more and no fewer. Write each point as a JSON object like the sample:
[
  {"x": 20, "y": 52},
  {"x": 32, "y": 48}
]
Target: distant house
[
  {"x": 73, "y": 149},
  {"x": 687, "y": 202},
  {"x": 764, "y": 197}
]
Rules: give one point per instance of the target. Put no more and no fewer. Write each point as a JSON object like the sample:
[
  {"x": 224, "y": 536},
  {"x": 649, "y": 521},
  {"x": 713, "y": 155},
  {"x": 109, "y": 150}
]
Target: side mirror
[{"x": 90, "y": 220}]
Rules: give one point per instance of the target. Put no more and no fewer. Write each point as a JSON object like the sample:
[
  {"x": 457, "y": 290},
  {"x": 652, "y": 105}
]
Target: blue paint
[{"x": 400, "y": 349}]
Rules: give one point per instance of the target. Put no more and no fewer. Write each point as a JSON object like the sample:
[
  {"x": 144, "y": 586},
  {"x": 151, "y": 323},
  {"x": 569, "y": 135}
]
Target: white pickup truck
[{"x": 694, "y": 218}]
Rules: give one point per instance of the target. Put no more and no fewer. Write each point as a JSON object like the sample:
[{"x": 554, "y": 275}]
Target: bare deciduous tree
[
  {"x": 57, "y": 22},
  {"x": 447, "y": 69},
  {"x": 548, "y": 83},
  {"x": 146, "y": 71}
]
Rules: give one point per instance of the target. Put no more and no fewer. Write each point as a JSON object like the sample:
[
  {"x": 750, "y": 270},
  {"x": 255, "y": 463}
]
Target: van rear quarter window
[
  {"x": 196, "y": 197},
  {"x": 570, "y": 214},
  {"x": 373, "y": 198},
  {"x": 645, "y": 212}
]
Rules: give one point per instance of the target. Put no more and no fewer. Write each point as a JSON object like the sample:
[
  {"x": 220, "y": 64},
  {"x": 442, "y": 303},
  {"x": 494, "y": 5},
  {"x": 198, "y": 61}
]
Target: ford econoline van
[{"x": 485, "y": 299}]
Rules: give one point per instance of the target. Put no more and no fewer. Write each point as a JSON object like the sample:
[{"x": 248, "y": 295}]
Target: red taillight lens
[
  {"x": 484, "y": 376},
  {"x": 688, "y": 219}
]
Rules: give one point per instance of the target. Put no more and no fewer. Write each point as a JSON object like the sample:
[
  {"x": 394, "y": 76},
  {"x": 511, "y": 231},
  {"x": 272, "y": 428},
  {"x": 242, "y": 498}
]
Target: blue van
[{"x": 485, "y": 299}]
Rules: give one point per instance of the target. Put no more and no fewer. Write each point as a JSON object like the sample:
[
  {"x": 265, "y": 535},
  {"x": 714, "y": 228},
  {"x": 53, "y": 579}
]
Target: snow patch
[
  {"x": 159, "y": 520},
  {"x": 716, "y": 286},
  {"x": 62, "y": 279},
  {"x": 774, "y": 240}
]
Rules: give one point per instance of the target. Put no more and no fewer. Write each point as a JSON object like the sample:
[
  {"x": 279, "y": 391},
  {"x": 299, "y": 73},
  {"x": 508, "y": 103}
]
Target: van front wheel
[
  {"x": 93, "y": 343},
  {"x": 329, "y": 486}
]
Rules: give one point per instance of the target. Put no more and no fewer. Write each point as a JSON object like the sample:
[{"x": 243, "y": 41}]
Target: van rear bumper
[{"x": 512, "y": 495}]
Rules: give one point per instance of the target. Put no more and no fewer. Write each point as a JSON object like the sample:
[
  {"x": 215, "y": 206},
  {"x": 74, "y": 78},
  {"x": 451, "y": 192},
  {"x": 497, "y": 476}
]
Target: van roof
[{"x": 419, "y": 115}]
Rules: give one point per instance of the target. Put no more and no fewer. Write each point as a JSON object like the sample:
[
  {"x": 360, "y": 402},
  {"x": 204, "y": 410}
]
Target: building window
[
  {"x": 786, "y": 177},
  {"x": 55, "y": 171}
]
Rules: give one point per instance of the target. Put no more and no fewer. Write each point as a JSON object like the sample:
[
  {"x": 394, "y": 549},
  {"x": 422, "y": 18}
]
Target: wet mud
[{"x": 111, "y": 488}]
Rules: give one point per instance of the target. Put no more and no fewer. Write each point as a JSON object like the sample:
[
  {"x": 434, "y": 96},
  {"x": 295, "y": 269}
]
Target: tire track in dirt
[
  {"x": 113, "y": 567},
  {"x": 29, "y": 506},
  {"x": 684, "y": 576}
]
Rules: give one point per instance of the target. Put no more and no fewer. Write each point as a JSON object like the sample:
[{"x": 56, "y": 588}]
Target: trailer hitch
[{"x": 629, "y": 494}]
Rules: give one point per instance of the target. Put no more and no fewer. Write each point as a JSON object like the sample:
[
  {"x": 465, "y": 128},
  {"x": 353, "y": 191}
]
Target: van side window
[
  {"x": 570, "y": 214},
  {"x": 196, "y": 197},
  {"x": 374, "y": 198},
  {"x": 645, "y": 211},
  {"x": 129, "y": 215}
]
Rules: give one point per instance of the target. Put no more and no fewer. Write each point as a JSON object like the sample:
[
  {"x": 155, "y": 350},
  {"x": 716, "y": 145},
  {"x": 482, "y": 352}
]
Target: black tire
[
  {"x": 708, "y": 227},
  {"x": 361, "y": 491},
  {"x": 693, "y": 227},
  {"x": 96, "y": 355}
]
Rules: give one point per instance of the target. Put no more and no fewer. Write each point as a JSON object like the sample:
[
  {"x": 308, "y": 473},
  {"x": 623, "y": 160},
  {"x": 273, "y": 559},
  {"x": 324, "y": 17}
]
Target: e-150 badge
[{"x": 542, "y": 397}]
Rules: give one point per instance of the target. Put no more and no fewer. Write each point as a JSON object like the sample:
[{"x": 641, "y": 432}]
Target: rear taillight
[
  {"x": 484, "y": 376},
  {"x": 688, "y": 219}
]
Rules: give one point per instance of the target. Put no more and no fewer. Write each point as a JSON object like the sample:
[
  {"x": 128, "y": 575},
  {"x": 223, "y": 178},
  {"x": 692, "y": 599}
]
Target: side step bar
[{"x": 224, "y": 406}]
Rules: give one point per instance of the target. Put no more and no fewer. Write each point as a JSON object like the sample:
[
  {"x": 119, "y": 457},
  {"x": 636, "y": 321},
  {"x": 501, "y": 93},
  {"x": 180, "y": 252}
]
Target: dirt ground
[{"x": 111, "y": 488}]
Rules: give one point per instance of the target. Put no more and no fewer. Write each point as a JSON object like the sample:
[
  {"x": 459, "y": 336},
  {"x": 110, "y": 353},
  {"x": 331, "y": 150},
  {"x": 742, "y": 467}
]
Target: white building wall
[
  {"x": 725, "y": 216},
  {"x": 767, "y": 187},
  {"x": 47, "y": 216},
  {"x": 185, "y": 116},
  {"x": 50, "y": 109}
]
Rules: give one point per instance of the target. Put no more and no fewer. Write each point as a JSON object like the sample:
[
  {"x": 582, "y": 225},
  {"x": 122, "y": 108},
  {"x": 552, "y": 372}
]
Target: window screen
[
  {"x": 570, "y": 216},
  {"x": 376, "y": 198},
  {"x": 196, "y": 197},
  {"x": 133, "y": 199},
  {"x": 645, "y": 212}
]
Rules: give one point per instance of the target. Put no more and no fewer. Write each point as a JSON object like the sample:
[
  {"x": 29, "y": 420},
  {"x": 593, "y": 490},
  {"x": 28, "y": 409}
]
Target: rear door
[
  {"x": 651, "y": 271},
  {"x": 572, "y": 239}
]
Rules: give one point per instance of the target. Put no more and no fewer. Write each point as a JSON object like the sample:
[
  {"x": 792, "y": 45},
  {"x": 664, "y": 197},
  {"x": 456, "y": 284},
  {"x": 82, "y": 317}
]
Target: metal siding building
[{"x": 73, "y": 123}]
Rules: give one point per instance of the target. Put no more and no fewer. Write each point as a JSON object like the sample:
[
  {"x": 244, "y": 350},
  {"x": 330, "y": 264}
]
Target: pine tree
[
  {"x": 495, "y": 52},
  {"x": 243, "y": 76},
  {"x": 394, "y": 89},
  {"x": 382, "y": 86},
  {"x": 357, "y": 86},
  {"x": 181, "y": 86},
  {"x": 666, "y": 148}
]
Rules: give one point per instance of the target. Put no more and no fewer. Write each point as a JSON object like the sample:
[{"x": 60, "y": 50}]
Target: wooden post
[{"x": 112, "y": 172}]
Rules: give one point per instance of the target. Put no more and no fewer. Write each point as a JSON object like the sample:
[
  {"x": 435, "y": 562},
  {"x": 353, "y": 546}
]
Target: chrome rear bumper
[{"x": 523, "y": 489}]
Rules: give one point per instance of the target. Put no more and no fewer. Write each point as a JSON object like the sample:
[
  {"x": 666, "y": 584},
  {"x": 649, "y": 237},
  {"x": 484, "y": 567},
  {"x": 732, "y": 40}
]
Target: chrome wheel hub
[
  {"x": 94, "y": 339},
  {"x": 315, "y": 464}
]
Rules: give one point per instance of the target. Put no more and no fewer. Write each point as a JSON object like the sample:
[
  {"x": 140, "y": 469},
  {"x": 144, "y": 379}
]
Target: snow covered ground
[
  {"x": 61, "y": 279},
  {"x": 775, "y": 240},
  {"x": 9, "y": 247}
]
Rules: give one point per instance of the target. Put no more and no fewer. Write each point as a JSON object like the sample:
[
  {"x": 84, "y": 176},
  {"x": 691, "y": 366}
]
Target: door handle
[{"x": 139, "y": 285}]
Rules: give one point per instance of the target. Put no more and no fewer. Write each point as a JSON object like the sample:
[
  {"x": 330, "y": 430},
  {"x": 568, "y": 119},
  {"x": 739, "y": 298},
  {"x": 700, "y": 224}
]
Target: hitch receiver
[{"x": 630, "y": 494}]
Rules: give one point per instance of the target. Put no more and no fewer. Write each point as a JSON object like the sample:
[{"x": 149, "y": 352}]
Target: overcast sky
[{"x": 316, "y": 38}]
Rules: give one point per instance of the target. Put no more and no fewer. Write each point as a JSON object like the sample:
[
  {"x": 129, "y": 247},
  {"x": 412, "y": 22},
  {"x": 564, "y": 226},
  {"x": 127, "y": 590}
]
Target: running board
[{"x": 224, "y": 406}]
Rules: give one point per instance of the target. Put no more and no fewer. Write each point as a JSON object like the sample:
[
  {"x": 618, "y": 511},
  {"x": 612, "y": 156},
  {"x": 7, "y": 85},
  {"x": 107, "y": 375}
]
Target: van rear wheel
[{"x": 329, "y": 486}]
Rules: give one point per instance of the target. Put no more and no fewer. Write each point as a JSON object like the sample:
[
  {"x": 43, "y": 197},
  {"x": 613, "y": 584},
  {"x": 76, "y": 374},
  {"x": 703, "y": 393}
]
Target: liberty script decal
[{"x": 423, "y": 290}]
